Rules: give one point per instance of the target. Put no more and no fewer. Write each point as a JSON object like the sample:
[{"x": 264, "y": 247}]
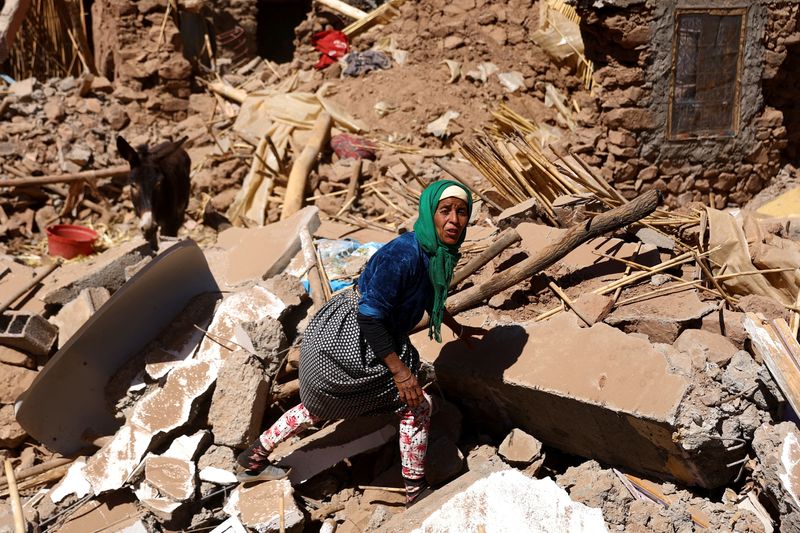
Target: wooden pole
[
  {"x": 344, "y": 9},
  {"x": 112, "y": 172},
  {"x": 314, "y": 278},
  {"x": 504, "y": 240},
  {"x": 295, "y": 188},
  {"x": 13, "y": 494},
  {"x": 352, "y": 187},
  {"x": 569, "y": 303},
  {"x": 38, "y": 469},
  {"x": 621, "y": 216}
]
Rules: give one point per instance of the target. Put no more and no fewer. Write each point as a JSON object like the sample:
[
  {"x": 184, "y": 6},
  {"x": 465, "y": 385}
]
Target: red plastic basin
[{"x": 68, "y": 241}]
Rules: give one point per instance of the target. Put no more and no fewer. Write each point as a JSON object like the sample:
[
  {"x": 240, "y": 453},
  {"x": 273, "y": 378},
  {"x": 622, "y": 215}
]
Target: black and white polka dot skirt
[{"x": 340, "y": 376}]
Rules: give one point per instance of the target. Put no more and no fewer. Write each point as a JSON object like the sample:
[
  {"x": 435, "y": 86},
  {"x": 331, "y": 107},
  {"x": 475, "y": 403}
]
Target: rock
[
  {"x": 594, "y": 307},
  {"x": 217, "y": 457},
  {"x": 451, "y": 42},
  {"x": 22, "y": 89},
  {"x": 267, "y": 338},
  {"x": 14, "y": 380},
  {"x": 11, "y": 356},
  {"x": 100, "y": 84},
  {"x": 73, "y": 315},
  {"x": 80, "y": 155},
  {"x": 706, "y": 346},
  {"x": 758, "y": 304},
  {"x": 629, "y": 118},
  {"x": 239, "y": 401},
  {"x": 728, "y": 324},
  {"x": 444, "y": 461},
  {"x": 520, "y": 448},
  {"x": 177, "y": 68},
  {"x": 174, "y": 478},
  {"x": 522, "y": 212},
  {"x": 661, "y": 318},
  {"x": 778, "y": 472},
  {"x": 116, "y": 116},
  {"x": 11, "y": 433},
  {"x": 656, "y": 238},
  {"x": 54, "y": 109},
  {"x": 258, "y": 506}
]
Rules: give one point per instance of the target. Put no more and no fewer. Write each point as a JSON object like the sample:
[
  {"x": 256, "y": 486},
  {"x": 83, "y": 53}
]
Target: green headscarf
[{"x": 443, "y": 257}]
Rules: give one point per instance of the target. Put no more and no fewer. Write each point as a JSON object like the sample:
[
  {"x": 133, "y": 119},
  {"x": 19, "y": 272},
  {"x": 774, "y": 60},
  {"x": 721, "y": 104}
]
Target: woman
[{"x": 356, "y": 358}]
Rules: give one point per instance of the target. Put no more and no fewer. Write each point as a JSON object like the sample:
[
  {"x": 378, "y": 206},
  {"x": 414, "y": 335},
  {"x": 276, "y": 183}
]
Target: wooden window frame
[{"x": 740, "y": 11}]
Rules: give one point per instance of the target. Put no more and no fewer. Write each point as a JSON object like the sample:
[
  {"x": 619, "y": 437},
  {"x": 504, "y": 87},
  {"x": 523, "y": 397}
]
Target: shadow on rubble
[{"x": 487, "y": 359}]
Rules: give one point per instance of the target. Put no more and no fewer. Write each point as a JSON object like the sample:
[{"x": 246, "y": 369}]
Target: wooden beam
[
  {"x": 112, "y": 172},
  {"x": 504, "y": 240},
  {"x": 296, "y": 186}
]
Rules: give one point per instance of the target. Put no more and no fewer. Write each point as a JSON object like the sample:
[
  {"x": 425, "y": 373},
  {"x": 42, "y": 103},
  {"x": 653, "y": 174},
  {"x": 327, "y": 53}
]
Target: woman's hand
[
  {"x": 469, "y": 333},
  {"x": 408, "y": 387}
]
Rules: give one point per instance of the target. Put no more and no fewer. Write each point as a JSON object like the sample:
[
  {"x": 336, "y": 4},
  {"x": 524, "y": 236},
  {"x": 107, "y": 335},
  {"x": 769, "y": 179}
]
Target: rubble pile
[{"x": 640, "y": 376}]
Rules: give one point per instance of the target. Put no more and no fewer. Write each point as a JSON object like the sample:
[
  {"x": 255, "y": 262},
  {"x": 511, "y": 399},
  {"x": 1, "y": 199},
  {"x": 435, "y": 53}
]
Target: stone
[
  {"x": 14, "y": 380},
  {"x": 662, "y": 317},
  {"x": 100, "y": 84},
  {"x": 217, "y": 457},
  {"x": 498, "y": 35},
  {"x": 11, "y": 433},
  {"x": 11, "y": 356},
  {"x": 706, "y": 346},
  {"x": 74, "y": 314},
  {"x": 520, "y": 448},
  {"x": 524, "y": 211},
  {"x": 54, "y": 110},
  {"x": 444, "y": 461},
  {"x": 22, "y": 89},
  {"x": 258, "y": 506},
  {"x": 763, "y": 305},
  {"x": 177, "y": 68},
  {"x": 656, "y": 238},
  {"x": 451, "y": 42},
  {"x": 117, "y": 118},
  {"x": 80, "y": 155},
  {"x": 174, "y": 478},
  {"x": 728, "y": 324},
  {"x": 593, "y": 307},
  {"x": 239, "y": 401},
  {"x": 629, "y": 118}
]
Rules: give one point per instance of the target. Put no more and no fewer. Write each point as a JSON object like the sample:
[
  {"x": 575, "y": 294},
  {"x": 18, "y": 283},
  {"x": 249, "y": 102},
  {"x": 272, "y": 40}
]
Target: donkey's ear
[{"x": 127, "y": 152}]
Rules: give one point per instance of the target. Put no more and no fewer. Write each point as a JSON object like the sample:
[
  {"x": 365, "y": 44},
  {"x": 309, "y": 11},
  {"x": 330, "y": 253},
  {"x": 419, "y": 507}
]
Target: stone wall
[{"x": 631, "y": 43}]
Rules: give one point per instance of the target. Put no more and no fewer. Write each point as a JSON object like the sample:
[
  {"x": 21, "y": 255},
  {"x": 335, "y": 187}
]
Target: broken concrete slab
[
  {"x": 239, "y": 401},
  {"x": 524, "y": 211},
  {"x": 57, "y": 413},
  {"x": 258, "y": 506},
  {"x": 11, "y": 356},
  {"x": 705, "y": 346},
  {"x": 74, "y": 314},
  {"x": 16, "y": 277},
  {"x": 520, "y": 448},
  {"x": 340, "y": 440},
  {"x": 511, "y": 502},
  {"x": 243, "y": 255},
  {"x": 162, "y": 507},
  {"x": 330, "y": 229},
  {"x": 103, "y": 270},
  {"x": 616, "y": 402},
  {"x": 14, "y": 381},
  {"x": 217, "y": 465},
  {"x": 30, "y": 333},
  {"x": 117, "y": 511},
  {"x": 159, "y": 412},
  {"x": 187, "y": 447},
  {"x": 778, "y": 472},
  {"x": 662, "y": 318},
  {"x": 11, "y": 433},
  {"x": 583, "y": 261},
  {"x": 655, "y": 238},
  {"x": 172, "y": 477},
  {"x": 593, "y": 307}
]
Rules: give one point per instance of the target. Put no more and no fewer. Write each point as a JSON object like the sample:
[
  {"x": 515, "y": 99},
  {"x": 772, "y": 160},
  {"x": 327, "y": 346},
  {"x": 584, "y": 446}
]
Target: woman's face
[{"x": 450, "y": 219}]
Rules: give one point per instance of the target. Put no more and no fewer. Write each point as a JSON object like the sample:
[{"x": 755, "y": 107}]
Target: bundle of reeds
[{"x": 52, "y": 41}]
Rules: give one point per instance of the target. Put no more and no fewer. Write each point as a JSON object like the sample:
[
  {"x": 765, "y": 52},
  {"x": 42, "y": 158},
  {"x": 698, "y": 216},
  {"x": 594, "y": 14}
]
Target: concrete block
[
  {"x": 706, "y": 346},
  {"x": 519, "y": 448},
  {"x": 29, "y": 333},
  {"x": 662, "y": 318},
  {"x": 594, "y": 392},
  {"x": 258, "y": 506},
  {"x": 239, "y": 401}
]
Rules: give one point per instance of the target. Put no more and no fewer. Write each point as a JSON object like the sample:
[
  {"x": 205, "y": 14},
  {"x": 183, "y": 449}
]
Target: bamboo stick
[
  {"x": 471, "y": 189},
  {"x": 344, "y": 9},
  {"x": 398, "y": 490},
  {"x": 13, "y": 493},
  {"x": 39, "y": 277},
  {"x": 561, "y": 294}
]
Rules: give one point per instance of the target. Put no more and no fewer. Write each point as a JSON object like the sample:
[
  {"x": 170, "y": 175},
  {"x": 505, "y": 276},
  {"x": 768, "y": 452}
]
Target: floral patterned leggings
[{"x": 414, "y": 426}]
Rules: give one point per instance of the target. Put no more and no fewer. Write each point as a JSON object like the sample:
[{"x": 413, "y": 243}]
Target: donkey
[{"x": 160, "y": 184}]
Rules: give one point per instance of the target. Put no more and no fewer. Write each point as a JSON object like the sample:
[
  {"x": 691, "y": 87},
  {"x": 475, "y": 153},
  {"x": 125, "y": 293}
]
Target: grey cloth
[
  {"x": 340, "y": 376},
  {"x": 362, "y": 62}
]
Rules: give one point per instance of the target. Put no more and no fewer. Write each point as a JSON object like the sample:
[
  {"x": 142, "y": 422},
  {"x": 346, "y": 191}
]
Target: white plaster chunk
[
  {"x": 790, "y": 459},
  {"x": 173, "y": 478},
  {"x": 186, "y": 446},
  {"x": 218, "y": 476},
  {"x": 510, "y": 502},
  {"x": 251, "y": 305},
  {"x": 258, "y": 506},
  {"x": 74, "y": 482},
  {"x": 149, "y": 497}
]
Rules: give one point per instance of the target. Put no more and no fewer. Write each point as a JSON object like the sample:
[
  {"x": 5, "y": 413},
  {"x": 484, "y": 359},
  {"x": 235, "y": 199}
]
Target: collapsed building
[{"x": 643, "y": 380}]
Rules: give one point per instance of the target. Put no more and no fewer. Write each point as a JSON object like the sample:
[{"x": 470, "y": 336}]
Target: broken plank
[{"x": 773, "y": 342}]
